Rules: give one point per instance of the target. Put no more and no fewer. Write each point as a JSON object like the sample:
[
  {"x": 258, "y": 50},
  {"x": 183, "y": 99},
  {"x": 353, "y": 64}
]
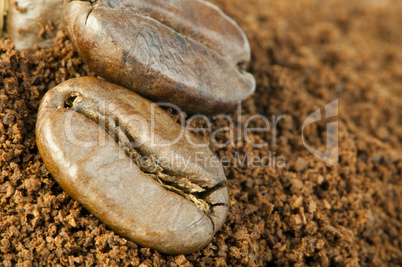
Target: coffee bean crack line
[{"x": 148, "y": 164}]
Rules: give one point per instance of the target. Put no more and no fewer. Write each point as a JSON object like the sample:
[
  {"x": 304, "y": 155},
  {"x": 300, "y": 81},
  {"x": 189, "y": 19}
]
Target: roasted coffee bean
[
  {"x": 126, "y": 161},
  {"x": 4, "y": 4},
  {"x": 199, "y": 20},
  {"x": 31, "y": 23},
  {"x": 186, "y": 52}
]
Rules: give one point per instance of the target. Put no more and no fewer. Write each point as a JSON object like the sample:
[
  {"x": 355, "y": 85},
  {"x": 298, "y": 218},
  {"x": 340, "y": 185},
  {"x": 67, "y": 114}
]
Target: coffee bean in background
[
  {"x": 186, "y": 53},
  {"x": 128, "y": 163},
  {"x": 4, "y": 4},
  {"x": 195, "y": 19},
  {"x": 32, "y": 23}
]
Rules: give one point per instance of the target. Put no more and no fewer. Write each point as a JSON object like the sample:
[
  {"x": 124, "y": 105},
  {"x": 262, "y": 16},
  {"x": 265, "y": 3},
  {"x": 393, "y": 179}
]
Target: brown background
[{"x": 305, "y": 54}]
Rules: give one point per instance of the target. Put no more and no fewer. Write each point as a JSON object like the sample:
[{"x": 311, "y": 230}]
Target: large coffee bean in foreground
[
  {"x": 127, "y": 162},
  {"x": 186, "y": 52}
]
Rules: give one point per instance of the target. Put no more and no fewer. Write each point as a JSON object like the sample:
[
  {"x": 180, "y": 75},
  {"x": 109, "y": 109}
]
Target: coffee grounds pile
[{"x": 306, "y": 54}]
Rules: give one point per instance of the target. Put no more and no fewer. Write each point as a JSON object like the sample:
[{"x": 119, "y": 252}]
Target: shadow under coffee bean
[{"x": 119, "y": 155}]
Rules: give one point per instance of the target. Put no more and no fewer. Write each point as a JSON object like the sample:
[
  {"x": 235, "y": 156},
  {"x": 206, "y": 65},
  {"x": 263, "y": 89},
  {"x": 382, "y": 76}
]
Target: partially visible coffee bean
[
  {"x": 184, "y": 52},
  {"x": 4, "y": 4},
  {"x": 126, "y": 161},
  {"x": 196, "y": 19},
  {"x": 31, "y": 23}
]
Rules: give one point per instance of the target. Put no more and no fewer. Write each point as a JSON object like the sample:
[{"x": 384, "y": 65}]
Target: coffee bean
[
  {"x": 30, "y": 23},
  {"x": 186, "y": 52},
  {"x": 198, "y": 20},
  {"x": 126, "y": 161}
]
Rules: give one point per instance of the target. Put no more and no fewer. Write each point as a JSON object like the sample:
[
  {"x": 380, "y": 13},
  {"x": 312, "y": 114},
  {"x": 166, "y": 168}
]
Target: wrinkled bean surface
[
  {"x": 188, "y": 53},
  {"x": 123, "y": 158}
]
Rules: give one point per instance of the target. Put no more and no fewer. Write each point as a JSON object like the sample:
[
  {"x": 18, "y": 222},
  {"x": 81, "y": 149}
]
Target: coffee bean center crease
[{"x": 147, "y": 163}]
